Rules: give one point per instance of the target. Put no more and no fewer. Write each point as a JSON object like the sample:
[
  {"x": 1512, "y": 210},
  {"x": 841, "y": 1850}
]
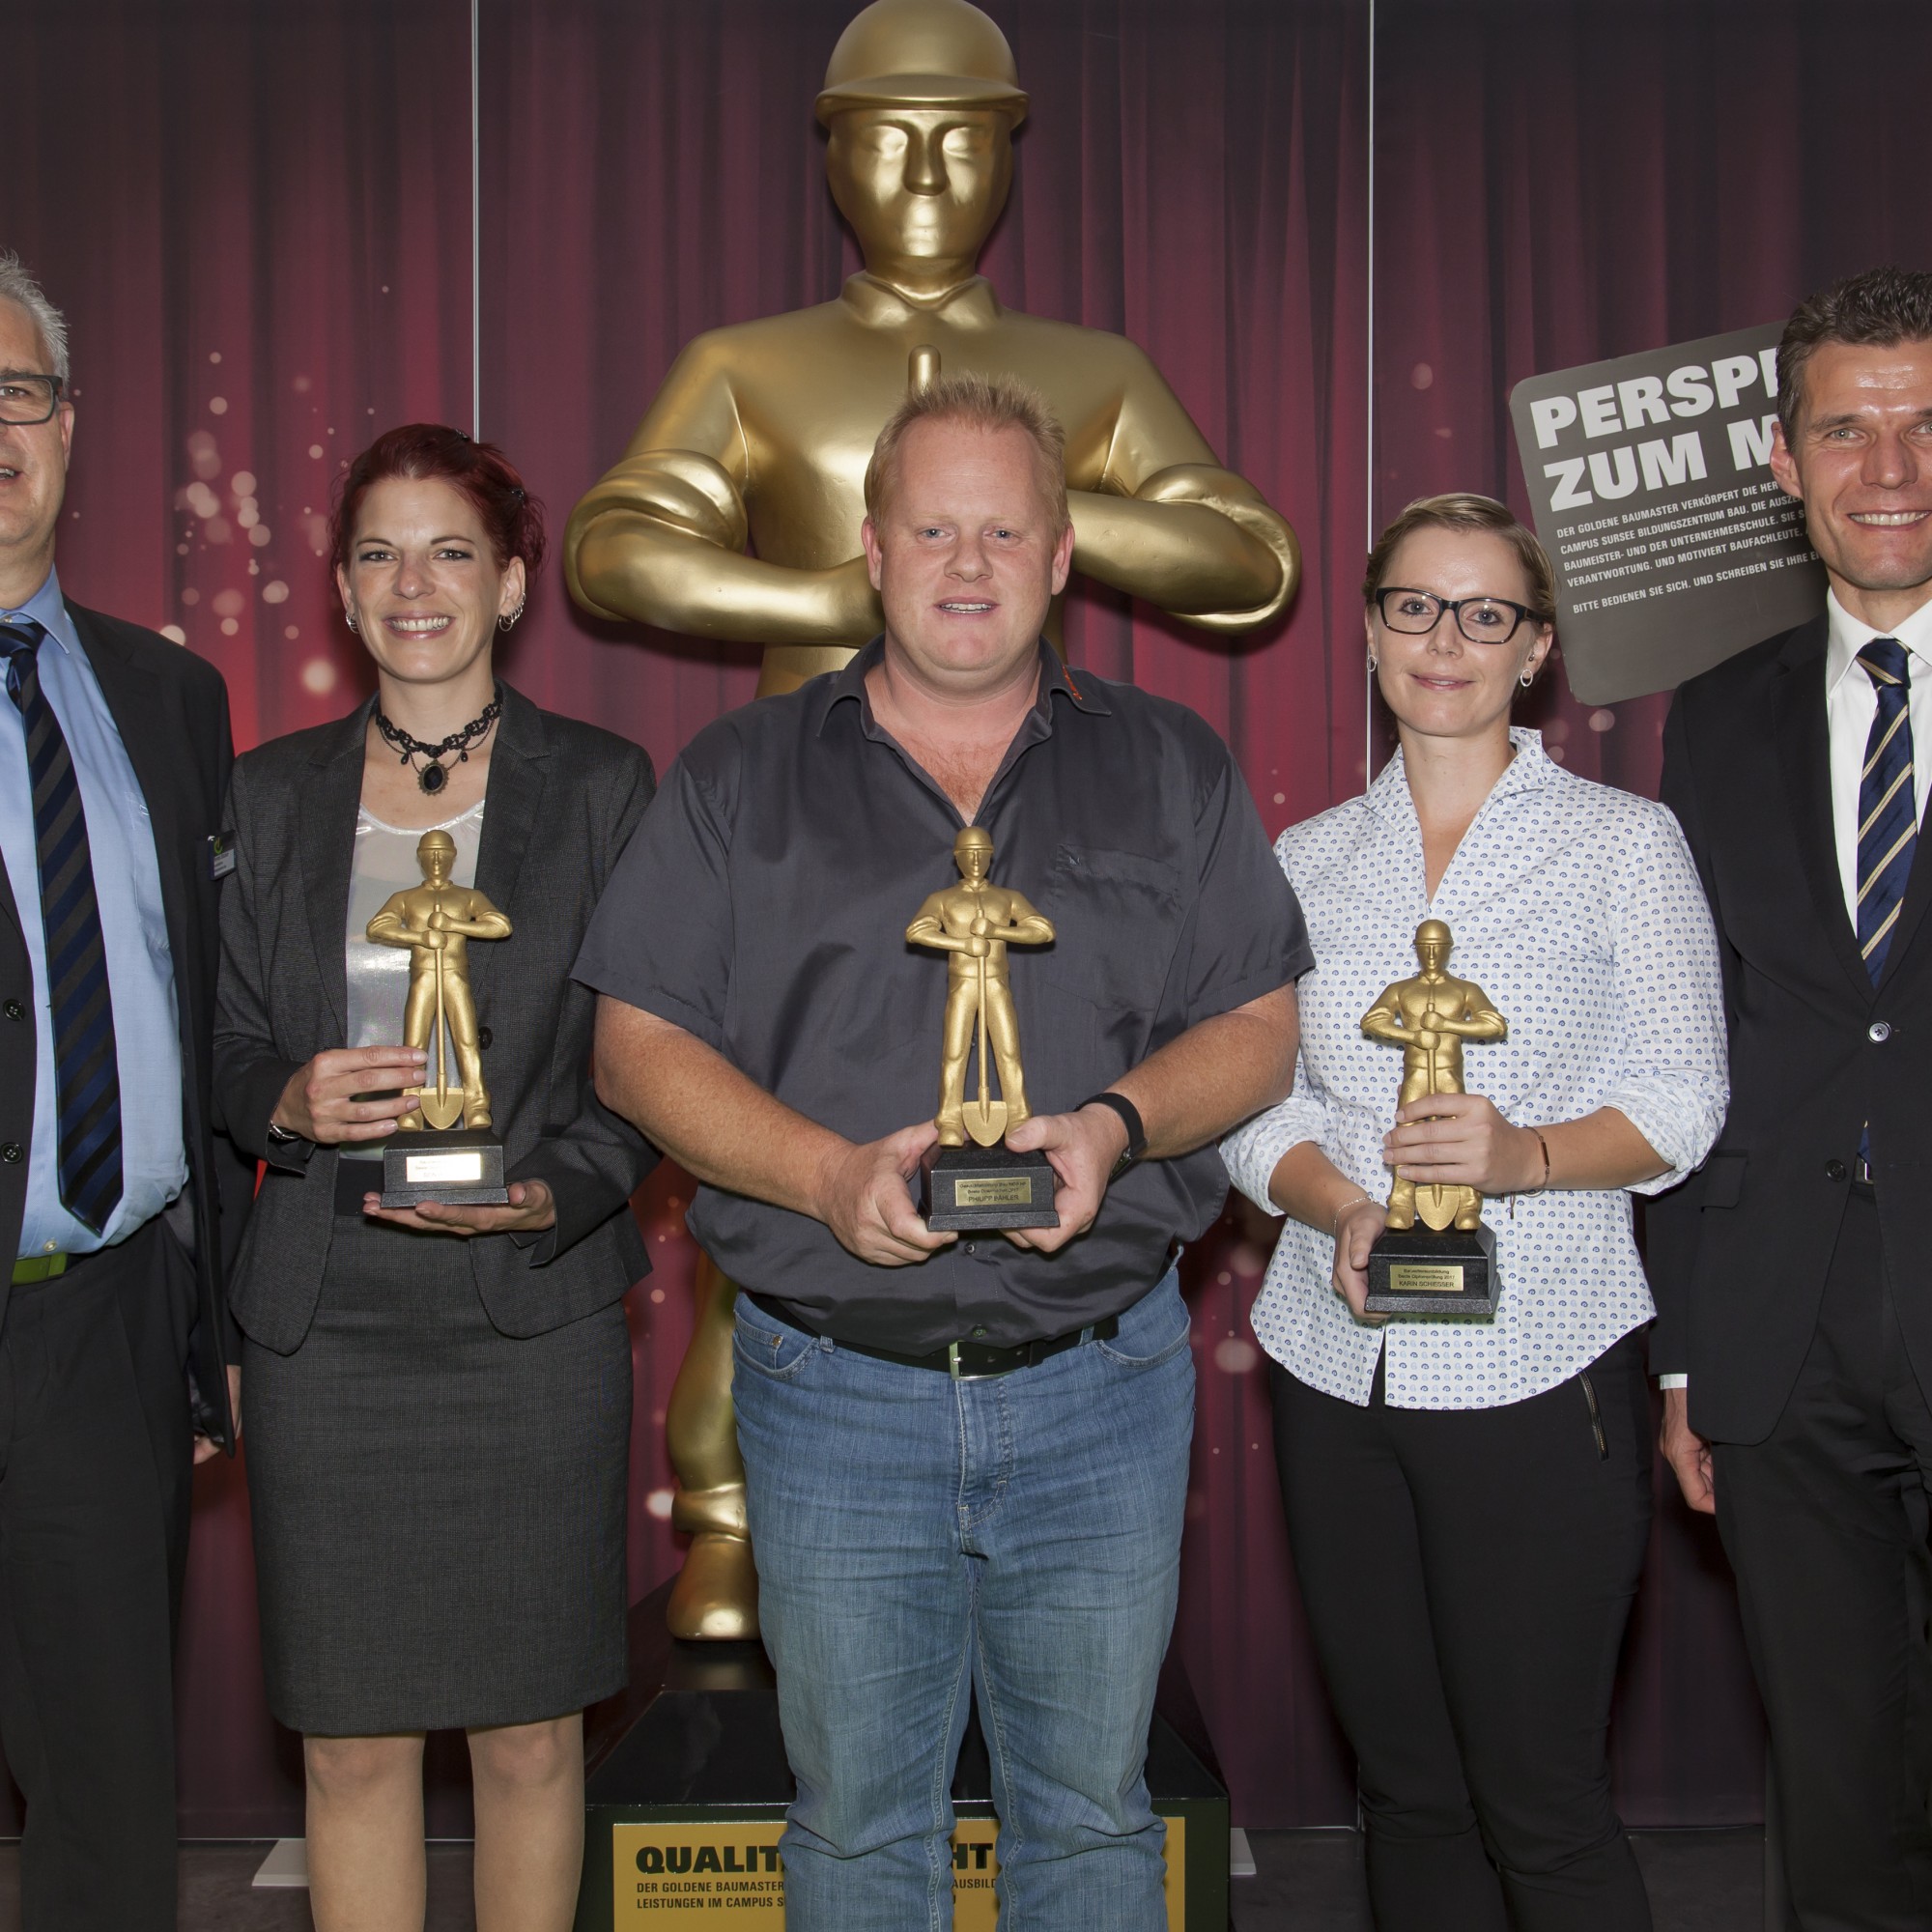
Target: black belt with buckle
[{"x": 963, "y": 1361}]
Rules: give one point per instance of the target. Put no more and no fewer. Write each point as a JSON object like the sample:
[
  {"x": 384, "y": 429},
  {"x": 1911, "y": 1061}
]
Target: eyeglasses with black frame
[
  {"x": 27, "y": 399},
  {"x": 1482, "y": 620}
]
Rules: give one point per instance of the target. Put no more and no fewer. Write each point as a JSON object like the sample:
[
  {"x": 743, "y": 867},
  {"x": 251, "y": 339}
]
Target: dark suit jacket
[
  {"x": 171, "y": 709},
  {"x": 562, "y": 801},
  {"x": 1738, "y": 1255}
]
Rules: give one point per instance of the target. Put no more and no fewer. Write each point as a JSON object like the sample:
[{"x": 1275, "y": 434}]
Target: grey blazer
[{"x": 562, "y": 801}]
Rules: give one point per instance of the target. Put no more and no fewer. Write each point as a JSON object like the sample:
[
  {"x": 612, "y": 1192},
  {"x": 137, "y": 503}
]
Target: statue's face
[
  {"x": 436, "y": 858},
  {"x": 1432, "y": 953},
  {"x": 924, "y": 182},
  {"x": 973, "y": 855}
]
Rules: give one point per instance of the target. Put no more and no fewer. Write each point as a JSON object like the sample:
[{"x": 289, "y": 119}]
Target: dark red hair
[{"x": 512, "y": 518}]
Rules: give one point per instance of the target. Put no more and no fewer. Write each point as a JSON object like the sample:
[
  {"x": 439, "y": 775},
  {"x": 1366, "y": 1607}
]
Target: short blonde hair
[
  {"x": 1464, "y": 510},
  {"x": 989, "y": 403}
]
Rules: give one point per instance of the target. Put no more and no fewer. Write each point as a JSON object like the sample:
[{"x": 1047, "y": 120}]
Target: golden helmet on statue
[{"x": 921, "y": 53}]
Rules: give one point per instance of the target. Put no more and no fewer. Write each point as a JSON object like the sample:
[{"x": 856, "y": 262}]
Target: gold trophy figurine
[
  {"x": 970, "y": 1178},
  {"x": 436, "y": 921},
  {"x": 734, "y": 511},
  {"x": 1448, "y": 1265}
]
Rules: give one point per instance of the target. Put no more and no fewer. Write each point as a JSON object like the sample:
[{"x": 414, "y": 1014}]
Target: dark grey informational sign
[{"x": 1651, "y": 478}]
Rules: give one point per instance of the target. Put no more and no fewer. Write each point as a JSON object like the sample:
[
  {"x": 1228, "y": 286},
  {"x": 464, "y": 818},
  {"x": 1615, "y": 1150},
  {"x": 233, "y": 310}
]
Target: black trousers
[
  {"x": 1826, "y": 1525},
  {"x": 1467, "y": 1575},
  {"x": 93, "y": 1508}
]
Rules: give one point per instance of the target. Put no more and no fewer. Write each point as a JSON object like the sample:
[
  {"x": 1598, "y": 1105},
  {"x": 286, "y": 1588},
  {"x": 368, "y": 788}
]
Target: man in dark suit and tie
[
  {"x": 114, "y": 756},
  {"x": 1793, "y": 1275}
]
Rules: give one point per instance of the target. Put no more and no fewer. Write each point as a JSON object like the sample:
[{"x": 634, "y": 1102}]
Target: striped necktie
[
  {"x": 1888, "y": 803},
  {"x": 87, "y": 1084}
]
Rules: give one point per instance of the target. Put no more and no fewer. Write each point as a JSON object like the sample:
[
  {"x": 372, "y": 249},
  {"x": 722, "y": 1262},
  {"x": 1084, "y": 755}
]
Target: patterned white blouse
[{"x": 1576, "y": 908}]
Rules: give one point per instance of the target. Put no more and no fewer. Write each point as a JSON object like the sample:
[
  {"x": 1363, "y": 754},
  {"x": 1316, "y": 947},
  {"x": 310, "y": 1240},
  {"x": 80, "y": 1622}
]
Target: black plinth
[
  {"x": 463, "y": 1166},
  {"x": 1417, "y": 1271},
  {"x": 971, "y": 1187},
  {"x": 686, "y": 1786}
]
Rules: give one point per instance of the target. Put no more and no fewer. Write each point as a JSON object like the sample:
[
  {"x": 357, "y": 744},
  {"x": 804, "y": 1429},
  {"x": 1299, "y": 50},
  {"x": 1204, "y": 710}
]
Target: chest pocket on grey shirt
[{"x": 1116, "y": 916}]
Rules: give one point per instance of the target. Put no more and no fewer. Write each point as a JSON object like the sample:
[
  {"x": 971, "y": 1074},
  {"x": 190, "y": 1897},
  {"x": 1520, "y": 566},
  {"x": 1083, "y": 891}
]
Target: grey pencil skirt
[{"x": 438, "y": 1508}]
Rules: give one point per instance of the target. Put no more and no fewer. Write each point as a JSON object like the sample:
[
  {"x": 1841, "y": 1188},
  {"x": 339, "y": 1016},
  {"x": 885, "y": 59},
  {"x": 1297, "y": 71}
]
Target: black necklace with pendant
[{"x": 433, "y": 777}]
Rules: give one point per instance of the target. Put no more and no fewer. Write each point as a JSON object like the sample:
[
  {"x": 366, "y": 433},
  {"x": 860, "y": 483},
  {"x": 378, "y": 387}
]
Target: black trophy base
[
  {"x": 686, "y": 1786},
  {"x": 1417, "y": 1271},
  {"x": 971, "y": 1187},
  {"x": 462, "y": 1167}
]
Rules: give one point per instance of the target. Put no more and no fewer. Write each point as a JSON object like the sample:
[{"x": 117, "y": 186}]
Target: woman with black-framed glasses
[{"x": 1468, "y": 1499}]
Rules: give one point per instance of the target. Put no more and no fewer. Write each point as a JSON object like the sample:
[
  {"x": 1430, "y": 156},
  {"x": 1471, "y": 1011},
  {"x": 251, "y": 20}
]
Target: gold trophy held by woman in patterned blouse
[{"x": 1447, "y": 1265}]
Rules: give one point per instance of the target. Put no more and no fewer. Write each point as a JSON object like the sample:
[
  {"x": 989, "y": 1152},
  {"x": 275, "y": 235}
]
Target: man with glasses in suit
[{"x": 114, "y": 756}]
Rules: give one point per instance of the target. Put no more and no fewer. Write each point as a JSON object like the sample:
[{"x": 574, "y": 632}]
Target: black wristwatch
[{"x": 1130, "y": 1119}]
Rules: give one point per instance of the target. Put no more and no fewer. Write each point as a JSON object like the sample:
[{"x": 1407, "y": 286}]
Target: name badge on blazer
[{"x": 221, "y": 854}]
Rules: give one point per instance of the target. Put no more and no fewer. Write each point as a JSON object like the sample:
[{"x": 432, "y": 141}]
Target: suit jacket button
[
  {"x": 1835, "y": 1169},
  {"x": 13, "y": 1153},
  {"x": 1879, "y": 1031},
  {"x": 483, "y": 1037},
  {"x": 14, "y": 1009}
]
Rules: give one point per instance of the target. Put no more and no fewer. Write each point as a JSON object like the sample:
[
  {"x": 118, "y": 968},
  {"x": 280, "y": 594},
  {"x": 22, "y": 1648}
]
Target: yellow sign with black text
[{"x": 730, "y": 1872}]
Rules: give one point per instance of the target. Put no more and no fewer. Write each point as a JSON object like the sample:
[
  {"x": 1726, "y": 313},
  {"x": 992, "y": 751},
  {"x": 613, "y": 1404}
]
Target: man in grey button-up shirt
[{"x": 765, "y": 1021}]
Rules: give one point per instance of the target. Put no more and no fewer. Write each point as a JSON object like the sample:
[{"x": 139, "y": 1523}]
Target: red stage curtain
[{"x": 287, "y": 189}]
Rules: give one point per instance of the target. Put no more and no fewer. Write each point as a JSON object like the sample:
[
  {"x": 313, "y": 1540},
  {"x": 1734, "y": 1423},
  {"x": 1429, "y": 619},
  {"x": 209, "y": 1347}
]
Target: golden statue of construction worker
[
  {"x": 1428, "y": 1018},
  {"x": 973, "y": 922},
  {"x": 734, "y": 512},
  {"x": 437, "y": 920}
]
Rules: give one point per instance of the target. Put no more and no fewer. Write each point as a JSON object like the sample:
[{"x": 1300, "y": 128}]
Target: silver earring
[
  {"x": 349, "y": 618},
  {"x": 1527, "y": 679},
  {"x": 508, "y": 620},
  {"x": 1375, "y": 664}
]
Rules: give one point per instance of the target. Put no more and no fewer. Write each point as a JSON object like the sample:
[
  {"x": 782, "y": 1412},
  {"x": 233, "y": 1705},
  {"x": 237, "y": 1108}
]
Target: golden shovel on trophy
[
  {"x": 442, "y": 1105},
  {"x": 984, "y": 1119}
]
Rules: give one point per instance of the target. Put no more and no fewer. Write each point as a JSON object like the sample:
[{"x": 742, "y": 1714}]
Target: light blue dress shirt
[{"x": 133, "y": 923}]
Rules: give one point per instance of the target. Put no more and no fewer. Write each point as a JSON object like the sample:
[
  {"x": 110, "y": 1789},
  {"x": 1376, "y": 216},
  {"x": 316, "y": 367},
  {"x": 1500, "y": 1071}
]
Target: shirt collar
[
  {"x": 973, "y": 304},
  {"x": 1532, "y": 766},
  {"x": 48, "y": 609},
  {"x": 1081, "y": 689},
  {"x": 1847, "y": 637}
]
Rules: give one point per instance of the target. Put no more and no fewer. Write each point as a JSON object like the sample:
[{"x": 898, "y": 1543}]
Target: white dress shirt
[
  {"x": 1851, "y": 703},
  {"x": 1576, "y": 908}
]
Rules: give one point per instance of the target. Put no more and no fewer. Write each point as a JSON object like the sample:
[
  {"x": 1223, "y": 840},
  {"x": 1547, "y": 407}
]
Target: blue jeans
[{"x": 1019, "y": 1533}]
